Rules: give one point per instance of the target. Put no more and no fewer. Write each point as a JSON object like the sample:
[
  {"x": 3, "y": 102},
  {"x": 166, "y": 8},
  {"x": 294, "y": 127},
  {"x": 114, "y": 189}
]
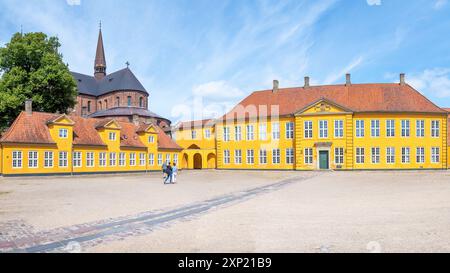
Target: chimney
[
  {"x": 136, "y": 119},
  {"x": 306, "y": 82},
  {"x": 29, "y": 106},
  {"x": 348, "y": 79},
  {"x": 402, "y": 79},
  {"x": 276, "y": 85},
  {"x": 84, "y": 111}
]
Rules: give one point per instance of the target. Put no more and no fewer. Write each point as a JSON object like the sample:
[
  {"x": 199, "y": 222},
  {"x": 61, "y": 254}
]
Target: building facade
[
  {"x": 47, "y": 144},
  {"x": 339, "y": 127}
]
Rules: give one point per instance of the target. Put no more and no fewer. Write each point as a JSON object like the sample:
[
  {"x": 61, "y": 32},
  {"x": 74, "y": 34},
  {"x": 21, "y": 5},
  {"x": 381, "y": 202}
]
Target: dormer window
[
  {"x": 112, "y": 136},
  {"x": 63, "y": 133},
  {"x": 151, "y": 139}
]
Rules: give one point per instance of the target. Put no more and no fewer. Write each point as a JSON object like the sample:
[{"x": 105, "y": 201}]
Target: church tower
[{"x": 100, "y": 60}]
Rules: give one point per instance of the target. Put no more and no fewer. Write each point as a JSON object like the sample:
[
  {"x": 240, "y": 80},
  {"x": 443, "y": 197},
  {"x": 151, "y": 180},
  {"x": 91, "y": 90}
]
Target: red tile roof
[
  {"x": 196, "y": 124},
  {"x": 386, "y": 97},
  {"x": 33, "y": 129}
]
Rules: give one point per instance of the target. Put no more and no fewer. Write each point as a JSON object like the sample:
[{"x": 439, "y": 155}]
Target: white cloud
[
  {"x": 433, "y": 82},
  {"x": 332, "y": 78},
  {"x": 440, "y": 4},
  {"x": 217, "y": 90},
  {"x": 374, "y": 2},
  {"x": 73, "y": 2}
]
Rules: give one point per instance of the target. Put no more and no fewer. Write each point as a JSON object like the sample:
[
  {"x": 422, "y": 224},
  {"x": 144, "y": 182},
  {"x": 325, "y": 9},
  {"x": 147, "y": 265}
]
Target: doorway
[
  {"x": 198, "y": 162},
  {"x": 324, "y": 160}
]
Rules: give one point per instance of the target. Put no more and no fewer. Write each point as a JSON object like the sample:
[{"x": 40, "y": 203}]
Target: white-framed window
[
  {"x": 133, "y": 159},
  {"x": 435, "y": 155},
  {"x": 390, "y": 128},
  {"x": 338, "y": 128},
  {"x": 63, "y": 133},
  {"x": 406, "y": 155},
  {"x": 112, "y": 136},
  {"x": 275, "y": 131},
  {"x": 276, "y": 156},
  {"x": 48, "y": 159},
  {"x": 237, "y": 156},
  {"x": 160, "y": 159},
  {"x": 435, "y": 128},
  {"x": 102, "y": 159},
  {"x": 142, "y": 159},
  {"x": 122, "y": 159},
  {"x": 375, "y": 128},
  {"x": 289, "y": 156},
  {"x": 308, "y": 128},
  {"x": 390, "y": 155},
  {"x": 420, "y": 128},
  {"x": 406, "y": 127},
  {"x": 375, "y": 155},
  {"x": 207, "y": 133},
  {"x": 262, "y": 156},
  {"x": 360, "y": 128},
  {"x": 33, "y": 158},
  {"x": 237, "y": 133},
  {"x": 90, "y": 162},
  {"x": 193, "y": 134},
  {"x": 323, "y": 129},
  {"x": 151, "y": 159},
  {"x": 309, "y": 156},
  {"x": 175, "y": 159},
  {"x": 112, "y": 159},
  {"x": 17, "y": 160},
  {"x": 250, "y": 132},
  {"x": 250, "y": 157},
  {"x": 420, "y": 155},
  {"x": 63, "y": 159},
  {"x": 339, "y": 156},
  {"x": 77, "y": 159},
  {"x": 226, "y": 157},
  {"x": 289, "y": 130},
  {"x": 360, "y": 155},
  {"x": 151, "y": 139},
  {"x": 226, "y": 133},
  {"x": 263, "y": 131},
  {"x": 167, "y": 159}
]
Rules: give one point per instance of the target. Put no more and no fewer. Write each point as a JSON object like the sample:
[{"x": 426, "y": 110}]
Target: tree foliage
[{"x": 32, "y": 68}]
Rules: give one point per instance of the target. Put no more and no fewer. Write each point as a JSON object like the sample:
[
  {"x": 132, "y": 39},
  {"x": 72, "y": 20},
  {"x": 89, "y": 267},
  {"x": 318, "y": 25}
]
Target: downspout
[
  {"x": 1, "y": 159},
  {"x": 71, "y": 157}
]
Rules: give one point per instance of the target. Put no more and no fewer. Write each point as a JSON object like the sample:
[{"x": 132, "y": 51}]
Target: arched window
[
  {"x": 141, "y": 102},
  {"x": 89, "y": 107},
  {"x": 106, "y": 104},
  {"x": 99, "y": 105},
  {"x": 129, "y": 101},
  {"x": 117, "y": 101}
]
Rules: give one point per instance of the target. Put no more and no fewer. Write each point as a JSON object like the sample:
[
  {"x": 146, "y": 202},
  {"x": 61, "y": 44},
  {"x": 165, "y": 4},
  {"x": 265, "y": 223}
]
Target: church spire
[{"x": 100, "y": 60}]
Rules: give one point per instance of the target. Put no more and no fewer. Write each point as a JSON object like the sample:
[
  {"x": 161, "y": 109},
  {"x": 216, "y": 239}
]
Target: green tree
[{"x": 32, "y": 68}]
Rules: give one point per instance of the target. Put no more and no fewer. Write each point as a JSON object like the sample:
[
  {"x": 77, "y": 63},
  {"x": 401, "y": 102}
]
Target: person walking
[
  {"x": 164, "y": 170},
  {"x": 169, "y": 174},
  {"x": 174, "y": 173}
]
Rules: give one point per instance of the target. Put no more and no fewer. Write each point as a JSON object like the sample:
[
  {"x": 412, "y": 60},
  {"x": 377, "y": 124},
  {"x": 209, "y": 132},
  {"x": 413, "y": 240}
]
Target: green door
[{"x": 323, "y": 160}]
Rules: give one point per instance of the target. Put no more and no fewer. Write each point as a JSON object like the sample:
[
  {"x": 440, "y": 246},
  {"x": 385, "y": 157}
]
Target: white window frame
[
  {"x": 112, "y": 136},
  {"x": 360, "y": 155},
  {"x": 290, "y": 156},
  {"x": 290, "y": 130},
  {"x": 142, "y": 159},
  {"x": 238, "y": 157},
  {"x": 151, "y": 139},
  {"x": 226, "y": 134},
  {"x": 406, "y": 127},
  {"x": 308, "y": 156},
  {"x": 63, "y": 159},
  {"x": 168, "y": 159},
  {"x": 435, "y": 155},
  {"x": 193, "y": 134},
  {"x": 339, "y": 156},
  {"x": 175, "y": 159},
  {"x": 250, "y": 157},
  {"x": 33, "y": 159},
  {"x": 375, "y": 155},
  {"x": 323, "y": 128},
  {"x": 112, "y": 159},
  {"x": 406, "y": 155},
  {"x": 390, "y": 155},
  {"x": 77, "y": 159},
  {"x": 122, "y": 159},
  {"x": 276, "y": 156},
  {"x": 226, "y": 157},
  {"x": 48, "y": 159},
  {"x": 420, "y": 128},
  {"x": 360, "y": 128},
  {"x": 102, "y": 159},
  {"x": 160, "y": 159},
  {"x": 151, "y": 159},
  {"x": 63, "y": 133},
  {"x": 90, "y": 159},
  {"x": 237, "y": 133},
  {"x": 390, "y": 128},
  {"x": 375, "y": 128},
  {"x": 308, "y": 129},
  {"x": 276, "y": 131},
  {"x": 250, "y": 132},
  {"x": 132, "y": 159},
  {"x": 339, "y": 128},
  {"x": 263, "y": 131},
  {"x": 17, "y": 159},
  {"x": 435, "y": 128},
  {"x": 262, "y": 156},
  {"x": 420, "y": 155},
  {"x": 207, "y": 133}
]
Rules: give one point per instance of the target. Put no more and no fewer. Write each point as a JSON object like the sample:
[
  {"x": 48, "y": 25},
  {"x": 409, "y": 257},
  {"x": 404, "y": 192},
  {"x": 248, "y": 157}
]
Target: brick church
[{"x": 118, "y": 95}]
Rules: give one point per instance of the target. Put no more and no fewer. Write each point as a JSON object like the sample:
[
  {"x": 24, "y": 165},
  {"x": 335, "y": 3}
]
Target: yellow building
[
  {"x": 340, "y": 127},
  {"x": 198, "y": 140},
  {"x": 44, "y": 144}
]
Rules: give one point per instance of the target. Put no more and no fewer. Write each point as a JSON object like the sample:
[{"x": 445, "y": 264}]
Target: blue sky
[{"x": 207, "y": 55}]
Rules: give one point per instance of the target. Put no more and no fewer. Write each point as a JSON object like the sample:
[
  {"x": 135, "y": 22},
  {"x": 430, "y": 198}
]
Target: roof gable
[
  {"x": 61, "y": 120},
  {"x": 323, "y": 106}
]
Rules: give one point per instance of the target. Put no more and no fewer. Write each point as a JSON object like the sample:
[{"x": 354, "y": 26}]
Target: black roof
[
  {"x": 126, "y": 111},
  {"x": 121, "y": 80}
]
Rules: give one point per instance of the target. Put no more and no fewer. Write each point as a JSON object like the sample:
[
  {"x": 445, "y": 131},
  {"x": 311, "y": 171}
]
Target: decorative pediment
[
  {"x": 109, "y": 124},
  {"x": 147, "y": 128},
  {"x": 62, "y": 120},
  {"x": 323, "y": 106}
]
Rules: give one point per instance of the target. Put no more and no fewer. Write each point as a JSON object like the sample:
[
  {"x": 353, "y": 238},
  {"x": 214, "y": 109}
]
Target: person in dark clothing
[{"x": 169, "y": 174}]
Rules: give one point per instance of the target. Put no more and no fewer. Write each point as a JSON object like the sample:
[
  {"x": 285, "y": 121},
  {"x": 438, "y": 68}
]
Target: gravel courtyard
[{"x": 228, "y": 211}]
